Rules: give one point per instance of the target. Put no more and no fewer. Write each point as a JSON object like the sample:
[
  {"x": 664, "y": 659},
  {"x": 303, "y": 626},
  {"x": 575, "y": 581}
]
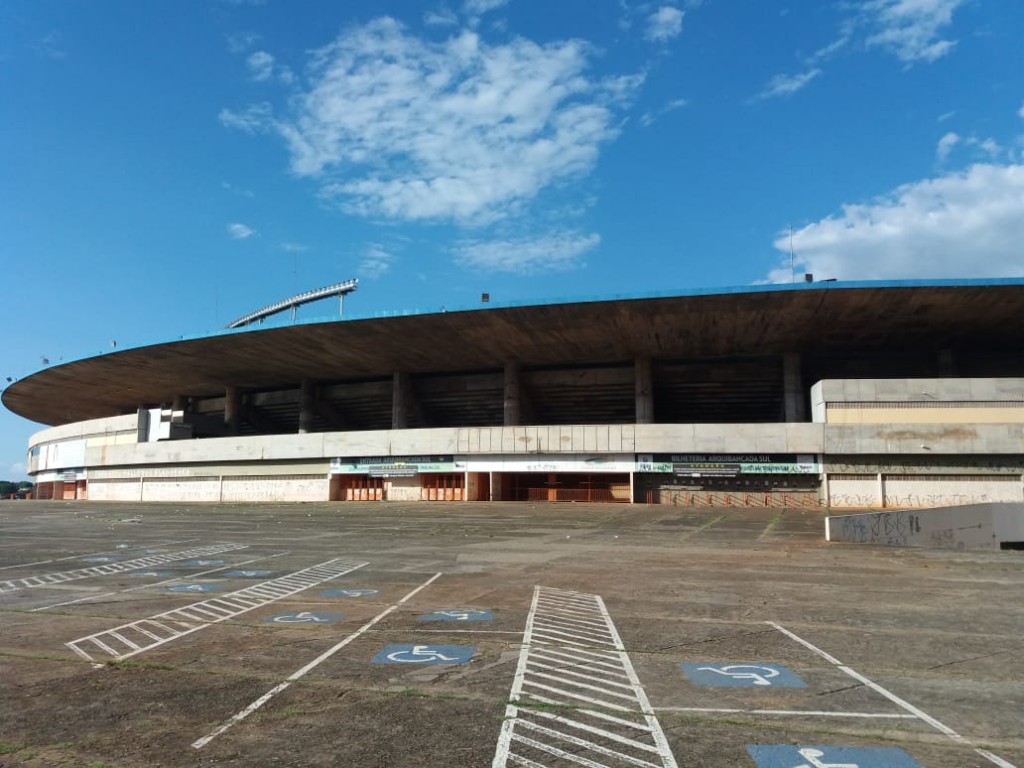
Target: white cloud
[
  {"x": 51, "y": 46},
  {"x": 664, "y": 24},
  {"x": 240, "y": 231},
  {"x": 294, "y": 247},
  {"x": 18, "y": 468},
  {"x": 478, "y": 7},
  {"x": 241, "y": 41},
  {"x": 828, "y": 51},
  {"x": 375, "y": 261},
  {"x": 253, "y": 119},
  {"x": 910, "y": 29},
  {"x": 787, "y": 85},
  {"x": 553, "y": 252},
  {"x": 237, "y": 190},
  {"x": 443, "y": 17},
  {"x": 964, "y": 224},
  {"x": 989, "y": 148},
  {"x": 400, "y": 127},
  {"x": 649, "y": 118},
  {"x": 946, "y": 144},
  {"x": 261, "y": 65},
  {"x": 1020, "y": 112}
]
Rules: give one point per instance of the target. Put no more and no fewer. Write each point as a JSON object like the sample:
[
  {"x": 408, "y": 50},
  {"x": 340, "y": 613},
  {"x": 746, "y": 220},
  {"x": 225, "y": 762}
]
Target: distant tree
[{"x": 9, "y": 487}]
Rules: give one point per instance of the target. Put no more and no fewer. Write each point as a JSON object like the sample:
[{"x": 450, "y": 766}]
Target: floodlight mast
[{"x": 293, "y": 303}]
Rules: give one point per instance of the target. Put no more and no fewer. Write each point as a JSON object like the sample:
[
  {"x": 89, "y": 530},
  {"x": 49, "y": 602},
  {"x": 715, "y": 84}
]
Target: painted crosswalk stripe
[
  {"x": 145, "y": 634},
  {"x": 149, "y": 561},
  {"x": 573, "y": 662}
]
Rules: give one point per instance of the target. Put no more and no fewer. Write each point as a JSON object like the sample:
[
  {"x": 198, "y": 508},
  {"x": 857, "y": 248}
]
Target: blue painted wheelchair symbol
[
  {"x": 102, "y": 559},
  {"x": 304, "y": 617},
  {"x": 246, "y": 574},
  {"x": 458, "y": 614},
  {"x": 350, "y": 592},
  {"x": 830, "y": 757},
  {"x": 195, "y": 588},
  {"x": 425, "y": 654},
  {"x": 742, "y": 675},
  {"x": 155, "y": 574},
  {"x": 191, "y": 563}
]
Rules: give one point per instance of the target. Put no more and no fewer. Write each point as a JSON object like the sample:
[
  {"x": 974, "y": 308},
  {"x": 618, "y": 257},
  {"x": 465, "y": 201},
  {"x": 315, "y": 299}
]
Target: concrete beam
[
  {"x": 513, "y": 394},
  {"x": 644, "y": 391},
  {"x": 795, "y": 398},
  {"x": 307, "y": 398},
  {"x": 232, "y": 409}
]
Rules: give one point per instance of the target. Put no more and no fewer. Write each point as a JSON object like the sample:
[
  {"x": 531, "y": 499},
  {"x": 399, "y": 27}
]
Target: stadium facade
[{"x": 896, "y": 394}]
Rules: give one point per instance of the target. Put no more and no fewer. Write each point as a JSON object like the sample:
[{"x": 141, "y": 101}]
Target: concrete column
[
  {"x": 307, "y": 398},
  {"x": 180, "y": 403},
  {"x": 232, "y": 409},
  {"x": 881, "y": 490},
  {"x": 794, "y": 397},
  {"x": 513, "y": 394},
  {"x": 947, "y": 365},
  {"x": 400, "y": 400},
  {"x": 644, "y": 391}
]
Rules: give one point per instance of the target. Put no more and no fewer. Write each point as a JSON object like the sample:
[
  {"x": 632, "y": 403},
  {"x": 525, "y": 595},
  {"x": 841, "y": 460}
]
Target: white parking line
[
  {"x": 87, "y": 554},
  {"x": 171, "y": 625},
  {"x": 49, "y": 579},
  {"x": 159, "y": 583},
  {"x": 573, "y": 658},
  {"x": 793, "y": 712},
  {"x": 919, "y": 714},
  {"x": 240, "y": 716}
]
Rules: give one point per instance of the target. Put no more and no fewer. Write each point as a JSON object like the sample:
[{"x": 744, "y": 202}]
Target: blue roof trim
[{"x": 831, "y": 285}]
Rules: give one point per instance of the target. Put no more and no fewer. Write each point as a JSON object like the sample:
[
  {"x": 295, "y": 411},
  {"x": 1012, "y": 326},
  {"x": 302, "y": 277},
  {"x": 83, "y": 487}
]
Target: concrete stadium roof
[{"x": 758, "y": 320}]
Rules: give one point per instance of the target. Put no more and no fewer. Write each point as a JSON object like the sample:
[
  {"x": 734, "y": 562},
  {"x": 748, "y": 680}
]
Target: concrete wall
[
  {"x": 614, "y": 438},
  {"x": 126, "y": 423},
  {"x": 960, "y": 527},
  {"x": 1010, "y": 413},
  {"x": 403, "y": 488},
  {"x": 853, "y": 491},
  {"x": 951, "y": 390},
  {"x": 181, "y": 489},
  {"x": 115, "y": 490},
  {"x": 1008, "y": 523},
  {"x": 941, "y": 490},
  {"x": 924, "y": 439},
  {"x": 281, "y": 488}
]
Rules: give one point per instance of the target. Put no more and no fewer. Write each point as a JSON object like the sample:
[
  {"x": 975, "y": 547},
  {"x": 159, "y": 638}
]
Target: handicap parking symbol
[
  {"x": 249, "y": 574},
  {"x": 788, "y": 756},
  {"x": 304, "y": 617},
  {"x": 742, "y": 675},
  {"x": 155, "y": 574},
  {"x": 196, "y": 588},
  {"x": 457, "y": 614},
  {"x": 102, "y": 559},
  {"x": 191, "y": 563},
  {"x": 425, "y": 654},
  {"x": 350, "y": 592}
]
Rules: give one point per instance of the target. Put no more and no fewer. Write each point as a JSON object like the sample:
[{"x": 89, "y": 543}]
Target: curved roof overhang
[{"x": 750, "y": 321}]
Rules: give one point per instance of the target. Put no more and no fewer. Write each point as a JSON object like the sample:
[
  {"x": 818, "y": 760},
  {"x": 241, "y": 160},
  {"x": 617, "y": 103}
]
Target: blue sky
[{"x": 166, "y": 167}]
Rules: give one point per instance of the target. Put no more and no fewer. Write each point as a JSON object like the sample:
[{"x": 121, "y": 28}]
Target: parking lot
[{"x": 387, "y": 634}]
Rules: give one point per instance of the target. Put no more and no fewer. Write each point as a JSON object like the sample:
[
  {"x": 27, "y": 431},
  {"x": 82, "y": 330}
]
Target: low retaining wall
[{"x": 972, "y": 526}]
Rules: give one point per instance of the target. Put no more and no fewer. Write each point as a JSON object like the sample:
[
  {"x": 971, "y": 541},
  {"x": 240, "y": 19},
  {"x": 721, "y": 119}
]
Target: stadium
[{"x": 830, "y": 394}]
